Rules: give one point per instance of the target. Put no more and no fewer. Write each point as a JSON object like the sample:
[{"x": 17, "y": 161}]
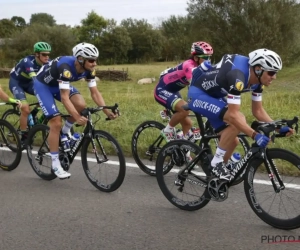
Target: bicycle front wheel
[
  {"x": 10, "y": 147},
  {"x": 280, "y": 208},
  {"x": 38, "y": 152},
  {"x": 186, "y": 190},
  {"x": 103, "y": 161},
  {"x": 146, "y": 142}
]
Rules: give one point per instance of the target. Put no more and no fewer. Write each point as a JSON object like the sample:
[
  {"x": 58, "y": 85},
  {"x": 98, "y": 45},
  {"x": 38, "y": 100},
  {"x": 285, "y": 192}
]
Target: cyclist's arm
[
  {"x": 98, "y": 98},
  {"x": 236, "y": 81},
  {"x": 257, "y": 108},
  {"x": 4, "y": 97},
  {"x": 29, "y": 68}
]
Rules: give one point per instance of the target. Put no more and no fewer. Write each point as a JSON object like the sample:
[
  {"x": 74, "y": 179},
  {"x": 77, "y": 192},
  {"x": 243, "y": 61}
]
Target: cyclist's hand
[
  {"x": 261, "y": 140},
  {"x": 286, "y": 130},
  {"x": 81, "y": 120},
  {"x": 18, "y": 102},
  {"x": 111, "y": 115}
]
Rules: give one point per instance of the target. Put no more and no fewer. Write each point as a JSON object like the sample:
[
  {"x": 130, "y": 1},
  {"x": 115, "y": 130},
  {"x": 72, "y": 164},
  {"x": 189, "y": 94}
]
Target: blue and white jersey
[{"x": 62, "y": 69}]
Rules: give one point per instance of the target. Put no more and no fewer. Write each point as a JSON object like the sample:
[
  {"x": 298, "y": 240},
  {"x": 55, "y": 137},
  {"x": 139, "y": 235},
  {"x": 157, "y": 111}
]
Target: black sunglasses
[
  {"x": 271, "y": 73},
  {"x": 204, "y": 57},
  {"x": 91, "y": 60},
  {"x": 45, "y": 54}
]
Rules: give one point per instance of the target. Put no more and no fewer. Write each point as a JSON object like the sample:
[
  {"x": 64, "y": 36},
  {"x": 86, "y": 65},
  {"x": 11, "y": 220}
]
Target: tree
[
  {"x": 92, "y": 28},
  {"x": 60, "y": 38},
  {"x": 7, "y": 27},
  {"x": 146, "y": 42},
  {"x": 42, "y": 18},
  {"x": 18, "y": 21},
  {"x": 240, "y": 26}
]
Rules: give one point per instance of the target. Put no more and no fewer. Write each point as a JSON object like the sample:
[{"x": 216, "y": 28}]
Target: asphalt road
[{"x": 72, "y": 214}]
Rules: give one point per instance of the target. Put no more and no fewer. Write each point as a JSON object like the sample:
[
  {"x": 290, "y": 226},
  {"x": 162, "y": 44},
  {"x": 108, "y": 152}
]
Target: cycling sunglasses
[
  {"x": 204, "y": 57},
  {"x": 91, "y": 60},
  {"x": 45, "y": 54},
  {"x": 271, "y": 73}
]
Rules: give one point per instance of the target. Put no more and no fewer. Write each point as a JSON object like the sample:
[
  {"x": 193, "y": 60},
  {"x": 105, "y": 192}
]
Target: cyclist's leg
[
  {"x": 45, "y": 95},
  {"x": 214, "y": 109},
  {"x": 79, "y": 103},
  {"x": 169, "y": 100},
  {"x": 17, "y": 90}
]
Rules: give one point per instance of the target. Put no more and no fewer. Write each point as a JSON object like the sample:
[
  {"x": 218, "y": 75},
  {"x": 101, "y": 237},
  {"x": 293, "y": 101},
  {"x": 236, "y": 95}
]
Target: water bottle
[
  {"x": 30, "y": 120},
  {"x": 65, "y": 142},
  {"x": 74, "y": 139},
  {"x": 236, "y": 157},
  {"x": 205, "y": 65}
]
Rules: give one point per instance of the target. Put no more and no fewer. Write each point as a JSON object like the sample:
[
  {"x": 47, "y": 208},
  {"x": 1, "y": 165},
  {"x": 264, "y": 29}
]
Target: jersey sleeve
[
  {"x": 236, "y": 83},
  {"x": 29, "y": 67},
  {"x": 91, "y": 75},
  {"x": 188, "y": 67},
  {"x": 257, "y": 93},
  {"x": 64, "y": 71}
]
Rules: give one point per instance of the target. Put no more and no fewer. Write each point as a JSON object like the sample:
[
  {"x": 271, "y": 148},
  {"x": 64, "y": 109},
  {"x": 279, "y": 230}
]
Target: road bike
[
  {"x": 147, "y": 141},
  {"x": 269, "y": 185},
  {"x": 102, "y": 158}
]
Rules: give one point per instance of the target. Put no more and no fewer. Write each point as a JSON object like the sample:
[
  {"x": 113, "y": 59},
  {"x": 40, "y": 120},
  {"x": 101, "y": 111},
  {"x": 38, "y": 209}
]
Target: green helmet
[{"x": 42, "y": 46}]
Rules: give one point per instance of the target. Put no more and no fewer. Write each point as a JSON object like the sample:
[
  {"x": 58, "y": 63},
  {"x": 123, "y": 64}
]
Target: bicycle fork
[{"x": 99, "y": 160}]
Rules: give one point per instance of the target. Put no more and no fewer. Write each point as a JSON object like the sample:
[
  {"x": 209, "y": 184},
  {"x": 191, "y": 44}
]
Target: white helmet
[
  {"x": 86, "y": 50},
  {"x": 267, "y": 59}
]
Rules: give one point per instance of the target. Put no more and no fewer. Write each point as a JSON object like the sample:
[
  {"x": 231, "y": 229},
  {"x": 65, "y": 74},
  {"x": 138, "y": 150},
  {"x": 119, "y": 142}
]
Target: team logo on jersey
[
  {"x": 93, "y": 73},
  {"x": 67, "y": 74},
  {"x": 239, "y": 85}
]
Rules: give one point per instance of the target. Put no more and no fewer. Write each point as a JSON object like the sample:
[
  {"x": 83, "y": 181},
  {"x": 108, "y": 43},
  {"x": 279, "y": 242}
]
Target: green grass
[{"x": 137, "y": 104}]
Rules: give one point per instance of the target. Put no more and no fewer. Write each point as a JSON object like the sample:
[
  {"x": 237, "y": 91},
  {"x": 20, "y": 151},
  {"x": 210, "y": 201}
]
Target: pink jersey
[{"x": 178, "y": 77}]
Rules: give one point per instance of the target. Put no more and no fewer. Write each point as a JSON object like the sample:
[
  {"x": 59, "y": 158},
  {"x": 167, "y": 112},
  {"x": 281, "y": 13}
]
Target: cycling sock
[
  {"x": 55, "y": 159},
  {"x": 168, "y": 128},
  {"x": 67, "y": 127},
  {"x": 218, "y": 157}
]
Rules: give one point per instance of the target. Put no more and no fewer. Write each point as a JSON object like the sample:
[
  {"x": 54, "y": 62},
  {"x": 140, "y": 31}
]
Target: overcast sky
[{"x": 71, "y": 12}]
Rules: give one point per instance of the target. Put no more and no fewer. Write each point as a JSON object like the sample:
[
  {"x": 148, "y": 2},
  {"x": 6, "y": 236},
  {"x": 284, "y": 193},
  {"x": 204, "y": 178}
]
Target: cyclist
[
  {"x": 53, "y": 82},
  {"x": 6, "y": 98},
  {"x": 21, "y": 80},
  {"x": 171, "y": 81},
  {"x": 232, "y": 76}
]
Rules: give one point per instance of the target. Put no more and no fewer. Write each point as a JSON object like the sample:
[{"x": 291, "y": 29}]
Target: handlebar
[
  {"x": 114, "y": 109},
  {"x": 267, "y": 127}
]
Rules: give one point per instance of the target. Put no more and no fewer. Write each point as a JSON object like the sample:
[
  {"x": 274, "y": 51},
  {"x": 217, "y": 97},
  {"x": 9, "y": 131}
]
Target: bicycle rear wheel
[
  {"x": 103, "y": 161},
  {"x": 38, "y": 152},
  {"x": 187, "y": 190},
  {"x": 146, "y": 142},
  {"x": 13, "y": 117},
  {"x": 279, "y": 209},
  {"x": 10, "y": 147}
]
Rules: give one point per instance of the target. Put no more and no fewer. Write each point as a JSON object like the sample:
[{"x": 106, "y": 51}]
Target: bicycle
[
  {"x": 191, "y": 189},
  {"x": 10, "y": 147},
  {"x": 91, "y": 140},
  {"x": 147, "y": 141}
]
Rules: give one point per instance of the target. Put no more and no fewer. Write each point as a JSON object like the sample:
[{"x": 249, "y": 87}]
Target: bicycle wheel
[
  {"x": 13, "y": 117},
  {"x": 38, "y": 152},
  {"x": 279, "y": 209},
  {"x": 10, "y": 146},
  {"x": 103, "y": 161},
  {"x": 146, "y": 142},
  {"x": 187, "y": 190}
]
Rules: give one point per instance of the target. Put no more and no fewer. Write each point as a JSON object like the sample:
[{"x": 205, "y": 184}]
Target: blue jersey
[
  {"x": 62, "y": 69},
  {"x": 25, "y": 69},
  {"x": 228, "y": 78}
]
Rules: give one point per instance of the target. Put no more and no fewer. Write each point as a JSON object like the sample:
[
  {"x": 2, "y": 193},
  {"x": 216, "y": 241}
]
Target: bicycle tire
[
  {"x": 252, "y": 191},
  {"x": 163, "y": 178},
  {"x": 41, "y": 153},
  {"x": 140, "y": 161},
  {"x": 5, "y": 143},
  {"x": 100, "y": 185},
  {"x": 16, "y": 123}
]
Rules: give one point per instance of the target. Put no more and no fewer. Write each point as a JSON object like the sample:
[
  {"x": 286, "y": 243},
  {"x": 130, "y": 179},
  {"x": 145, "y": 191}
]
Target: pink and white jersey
[{"x": 175, "y": 79}]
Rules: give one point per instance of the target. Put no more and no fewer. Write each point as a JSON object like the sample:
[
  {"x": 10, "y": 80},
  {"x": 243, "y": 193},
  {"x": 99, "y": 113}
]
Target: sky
[{"x": 71, "y": 12}]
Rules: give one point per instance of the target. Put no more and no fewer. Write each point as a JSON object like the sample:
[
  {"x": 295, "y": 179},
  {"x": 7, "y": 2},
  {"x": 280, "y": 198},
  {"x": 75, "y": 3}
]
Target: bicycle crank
[{"x": 218, "y": 190}]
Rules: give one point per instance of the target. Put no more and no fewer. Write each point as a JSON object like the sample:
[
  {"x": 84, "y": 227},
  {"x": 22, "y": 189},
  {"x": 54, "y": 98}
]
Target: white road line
[{"x": 133, "y": 165}]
